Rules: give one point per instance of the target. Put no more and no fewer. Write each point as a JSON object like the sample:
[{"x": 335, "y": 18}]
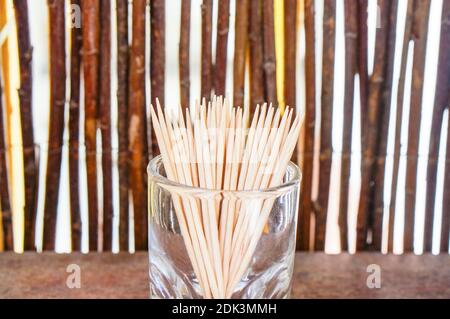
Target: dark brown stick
[
  {"x": 8, "y": 242},
  {"x": 351, "y": 46},
  {"x": 206, "y": 81},
  {"x": 370, "y": 127},
  {"x": 326, "y": 148},
  {"x": 91, "y": 38},
  {"x": 240, "y": 51},
  {"x": 105, "y": 120},
  {"x": 26, "y": 119},
  {"x": 399, "y": 119},
  {"x": 363, "y": 59},
  {"x": 420, "y": 31},
  {"x": 290, "y": 50},
  {"x": 56, "y": 129},
  {"x": 157, "y": 61},
  {"x": 440, "y": 103},
  {"x": 185, "y": 26},
  {"x": 157, "y": 58},
  {"x": 256, "y": 55},
  {"x": 220, "y": 70},
  {"x": 385, "y": 106},
  {"x": 74, "y": 124},
  {"x": 306, "y": 207},
  {"x": 137, "y": 125},
  {"x": 270, "y": 75},
  {"x": 445, "y": 224},
  {"x": 122, "y": 120}
]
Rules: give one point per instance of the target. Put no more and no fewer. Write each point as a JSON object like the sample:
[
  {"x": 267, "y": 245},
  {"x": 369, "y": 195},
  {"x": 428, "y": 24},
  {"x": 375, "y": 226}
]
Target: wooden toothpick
[{"x": 213, "y": 149}]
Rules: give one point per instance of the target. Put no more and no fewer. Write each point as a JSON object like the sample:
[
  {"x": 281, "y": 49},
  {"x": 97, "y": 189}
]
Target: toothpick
[
  {"x": 192, "y": 245},
  {"x": 209, "y": 148}
]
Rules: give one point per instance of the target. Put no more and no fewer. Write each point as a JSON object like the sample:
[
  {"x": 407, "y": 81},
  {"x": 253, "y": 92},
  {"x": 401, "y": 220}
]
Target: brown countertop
[{"x": 317, "y": 275}]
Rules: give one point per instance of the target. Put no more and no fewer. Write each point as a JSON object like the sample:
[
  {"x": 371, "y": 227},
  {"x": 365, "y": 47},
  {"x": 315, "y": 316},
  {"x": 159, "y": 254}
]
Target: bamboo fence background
[{"x": 372, "y": 76}]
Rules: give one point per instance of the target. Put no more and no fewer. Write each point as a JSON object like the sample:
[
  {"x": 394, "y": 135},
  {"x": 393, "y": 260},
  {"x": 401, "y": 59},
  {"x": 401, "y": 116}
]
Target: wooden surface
[{"x": 316, "y": 276}]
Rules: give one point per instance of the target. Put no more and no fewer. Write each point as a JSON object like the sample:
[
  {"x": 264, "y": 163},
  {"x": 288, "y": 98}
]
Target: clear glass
[{"x": 221, "y": 244}]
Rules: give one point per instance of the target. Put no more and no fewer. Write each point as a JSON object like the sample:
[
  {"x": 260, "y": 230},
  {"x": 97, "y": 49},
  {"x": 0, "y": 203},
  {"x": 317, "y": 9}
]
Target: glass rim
[{"x": 153, "y": 174}]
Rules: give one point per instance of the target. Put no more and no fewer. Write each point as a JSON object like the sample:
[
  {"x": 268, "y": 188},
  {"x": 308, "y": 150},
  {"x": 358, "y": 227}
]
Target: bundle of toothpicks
[{"x": 217, "y": 147}]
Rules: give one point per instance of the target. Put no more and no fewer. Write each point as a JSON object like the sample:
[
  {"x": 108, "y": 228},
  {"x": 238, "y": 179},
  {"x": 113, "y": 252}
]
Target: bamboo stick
[
  {"x": 137, "y": 124},
  {"x": 326, "y": 150},
  {"x": 306, "y": 204},
  {"x": 10, "y": 105},
  {"x": 91, "y": 38},
  {"x": 445, "y": 223},
  {"x": 26, "y": 119},
  {"x": 206, "y": 81},
  {"x": 399, "y": 119},
  {"x": 256, "y": 54},
  {"x": 370, "y": 127},
  {"x": 56, "y": 128},
  {"x": 269, "y": 52},
  {"x": 5, "y": 157},
  {"x": 185, "y": 26},
  {"x": 300, "y": 148},
  {"x": 279, "y": 16},
  {"x": 440, "y": 103},
  {"x": 74, "y": 124},
  {"x": 290, "y": 50},
  {"x": 420, "y": 32},
  {"x": 240, "y": 51},
  {"x": 123, "y": 61},
  {"x": 290, "y": 59},
  {"x": 385, "y": 105},
  {"x": 157, "y": 57},
  {"x": 220, "y": 70},
  {"x": 363, "y": 58},
  {"x": 5, "y": 203},
  {"x": 433, "y": 153},
  {"x": 105, "y": 120},
  {"x": 351, "y": 46}
]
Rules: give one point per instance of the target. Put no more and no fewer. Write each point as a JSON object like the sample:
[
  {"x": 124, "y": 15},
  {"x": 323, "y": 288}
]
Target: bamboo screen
[{"x": 372, "y": 77}]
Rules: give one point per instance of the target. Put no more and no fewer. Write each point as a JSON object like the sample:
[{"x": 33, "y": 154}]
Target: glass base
[{"x": 269, "y": 274}]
